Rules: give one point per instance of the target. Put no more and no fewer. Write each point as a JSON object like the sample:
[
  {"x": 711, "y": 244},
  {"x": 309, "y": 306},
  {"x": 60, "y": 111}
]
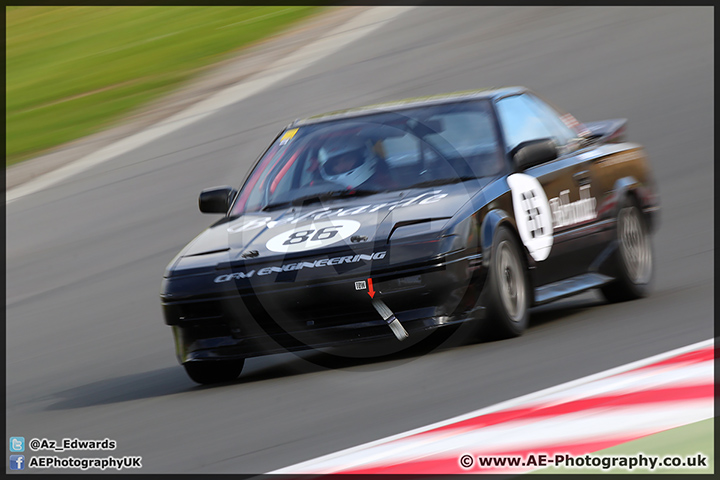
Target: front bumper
[{"x": 276, "y": 318}]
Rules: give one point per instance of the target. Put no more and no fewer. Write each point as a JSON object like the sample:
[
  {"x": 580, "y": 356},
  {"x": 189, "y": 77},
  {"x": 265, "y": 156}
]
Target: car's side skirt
[{"x": 570, "y": 286}]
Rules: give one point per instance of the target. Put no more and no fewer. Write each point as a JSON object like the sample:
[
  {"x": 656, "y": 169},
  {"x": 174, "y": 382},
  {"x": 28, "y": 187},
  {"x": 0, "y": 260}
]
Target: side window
[
  {"x": 562, "y": 134},
  {"x": 520, "y": 122}
]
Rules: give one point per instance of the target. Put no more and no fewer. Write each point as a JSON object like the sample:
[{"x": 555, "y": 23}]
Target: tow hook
[{"x": 389, "y": 317}]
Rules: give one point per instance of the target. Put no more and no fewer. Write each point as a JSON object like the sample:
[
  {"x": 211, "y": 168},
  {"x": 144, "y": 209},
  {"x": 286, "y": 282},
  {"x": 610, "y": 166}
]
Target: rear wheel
[
  {"x": 508, "y": 294},
  {"x": 634, "y": 256},
  {"x": 207, "y": 373}
]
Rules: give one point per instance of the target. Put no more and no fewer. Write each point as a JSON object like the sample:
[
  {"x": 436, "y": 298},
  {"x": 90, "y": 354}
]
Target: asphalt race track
[{"x": 88, "y": 354}]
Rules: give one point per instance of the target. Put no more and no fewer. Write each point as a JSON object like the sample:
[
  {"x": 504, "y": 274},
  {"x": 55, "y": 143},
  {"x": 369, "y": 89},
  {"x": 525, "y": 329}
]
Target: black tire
[
  {"x": 507, "y": 290},
  {"x": 207, "y": 373},
  {"x": 634, "y": 256}
]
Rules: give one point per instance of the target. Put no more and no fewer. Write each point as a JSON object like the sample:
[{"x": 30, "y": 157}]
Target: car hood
[{"x": 362, "y": 223}]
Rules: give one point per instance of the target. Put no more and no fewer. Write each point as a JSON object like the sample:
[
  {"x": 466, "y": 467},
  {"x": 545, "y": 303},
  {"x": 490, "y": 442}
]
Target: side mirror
[
  {"x": 216, "y": 199},
  {"x": 534, "y": 152}
]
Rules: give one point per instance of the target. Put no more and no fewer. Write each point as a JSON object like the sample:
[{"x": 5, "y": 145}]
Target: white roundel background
[
  {"x": 532, "y": 214},
  {"x": 313, "y": 235}
]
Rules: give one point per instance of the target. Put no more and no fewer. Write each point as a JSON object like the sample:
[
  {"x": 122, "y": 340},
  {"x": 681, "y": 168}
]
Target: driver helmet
[{"x": 347, "y": 161}]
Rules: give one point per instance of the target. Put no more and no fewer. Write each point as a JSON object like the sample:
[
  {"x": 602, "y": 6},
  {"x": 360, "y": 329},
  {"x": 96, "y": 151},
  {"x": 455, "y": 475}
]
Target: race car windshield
[{"x": 382, "y": 152}]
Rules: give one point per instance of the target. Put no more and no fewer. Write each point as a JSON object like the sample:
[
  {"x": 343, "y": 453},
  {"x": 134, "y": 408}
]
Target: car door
[{"x": 554, "y": 203}]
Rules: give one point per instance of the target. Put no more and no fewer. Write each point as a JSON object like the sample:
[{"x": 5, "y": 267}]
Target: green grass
[
  {"x": 685, "y": 441},
  {"x": 71, "y": 71}
]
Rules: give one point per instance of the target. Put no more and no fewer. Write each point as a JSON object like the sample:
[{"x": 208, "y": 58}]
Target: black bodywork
[{"x": 426, "y": 249}]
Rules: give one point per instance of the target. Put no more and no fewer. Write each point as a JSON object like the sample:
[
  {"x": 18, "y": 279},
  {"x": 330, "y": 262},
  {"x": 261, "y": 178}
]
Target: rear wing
[{"x": 607, "y": 131}]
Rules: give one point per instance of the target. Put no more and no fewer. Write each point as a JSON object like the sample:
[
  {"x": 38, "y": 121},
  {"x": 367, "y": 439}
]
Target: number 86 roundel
[{"x": 314, "y": 235}]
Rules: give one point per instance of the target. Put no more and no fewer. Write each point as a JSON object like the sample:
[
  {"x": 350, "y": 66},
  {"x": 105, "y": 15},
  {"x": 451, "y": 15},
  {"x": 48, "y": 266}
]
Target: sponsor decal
[
  {"x": 287, "y": 136},
  {"x": 614, "y": 158},
  {"x": 565, "y": 212},
  {"x": 537, "y": 217},
  {"x": 361, "y": 285},
  {"x": 315, "y": 235},
  {"x": 251, "y": 223},
  {"x": 289, "y": 267},
  {"x": 572, "y": 123},
  {"x": 532, "y": 214}
]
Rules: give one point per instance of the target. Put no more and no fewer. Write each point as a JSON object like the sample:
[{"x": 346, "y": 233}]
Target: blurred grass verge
[
  {"x": 73, "y": 71},
  {"x": 685, "y": 441}
]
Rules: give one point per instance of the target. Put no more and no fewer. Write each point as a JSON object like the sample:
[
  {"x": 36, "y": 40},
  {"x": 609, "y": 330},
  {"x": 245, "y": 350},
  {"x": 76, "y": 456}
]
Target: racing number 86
[{"x": 302, "y": 236}]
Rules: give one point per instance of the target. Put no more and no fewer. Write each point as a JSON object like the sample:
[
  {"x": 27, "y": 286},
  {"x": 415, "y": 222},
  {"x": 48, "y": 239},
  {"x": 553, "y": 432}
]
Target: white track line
[
  {"x": 363, "y": 24},
  {"x": 499, "y": 406}
]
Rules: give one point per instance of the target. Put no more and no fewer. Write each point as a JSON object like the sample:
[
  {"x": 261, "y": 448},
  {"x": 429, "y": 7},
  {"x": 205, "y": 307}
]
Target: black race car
[{"x": 395, "y": 220}]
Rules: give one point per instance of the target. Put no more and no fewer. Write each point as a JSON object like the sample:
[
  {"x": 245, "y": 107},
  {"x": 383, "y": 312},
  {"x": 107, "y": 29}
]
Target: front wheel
[
  {"x": 508, "y": 294},
  {"x": 207, "y": 373},
  {"x": 634, "y": 256}
]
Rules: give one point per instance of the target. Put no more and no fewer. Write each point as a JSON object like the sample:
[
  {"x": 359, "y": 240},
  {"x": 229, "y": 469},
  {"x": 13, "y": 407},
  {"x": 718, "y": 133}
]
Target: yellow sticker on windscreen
[{"x": 287, "y": 136}]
